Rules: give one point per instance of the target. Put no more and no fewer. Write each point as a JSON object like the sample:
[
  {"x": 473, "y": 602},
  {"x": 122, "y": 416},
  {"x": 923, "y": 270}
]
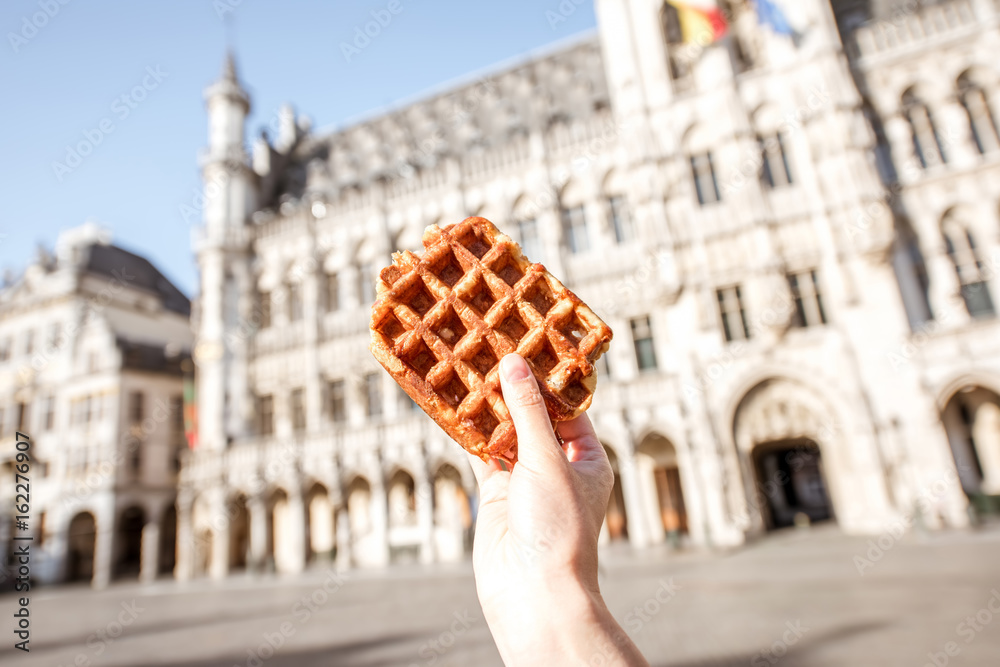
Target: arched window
[
  {"x": 972, "y": 279},
  {"x": 981, "y": 119},
  {"x": 926, "y": 142}
]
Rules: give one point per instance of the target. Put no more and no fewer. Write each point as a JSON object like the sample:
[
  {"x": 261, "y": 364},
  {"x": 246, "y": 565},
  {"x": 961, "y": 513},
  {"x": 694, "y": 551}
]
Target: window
[
  {"x": 734, "y": 316},
  {"x": 87, "y": 406},
  {"x": 298, "y": 405},
  {"x": 530, "y": 243},
  {"x": 336, "y": 399},
  {"x": 775, "y": 170},
  {"x": 642, "y": 338},
  {"x": 55, "y": 331},
  {"x": 705, "y": 184},
  {"x": 373, "y": 395},
  {"x": 50, "y": 414},
  {"x": 136, "y": 401},
  {"x": 972, "y": 278},
  {"x": 29, "y": 342},
  {"x": 264, "y": 309},
  {"x": 366, "y": 284},
  {"x": 332, "y": 292},
  {"x": 679, "y": 60},
  {"x": 294, "y": 302},
  {"x": 809, "y": 311},
  {"x": 22, "y": 418},
  {"x": 575, "y": 229},
  {"x": 135, "y": 460},
  {"x": 177, "y": 421},
  {"x": 265, "y": 415},
  {"x": 927, "y": 145},
  {"x": 5, "y": 349},
  {"x": 621, "y": 220},
  {"x": 982, "y": 122}
]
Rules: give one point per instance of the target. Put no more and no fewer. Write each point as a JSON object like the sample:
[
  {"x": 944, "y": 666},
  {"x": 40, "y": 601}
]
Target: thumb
[{"x": 537, "y": 447}]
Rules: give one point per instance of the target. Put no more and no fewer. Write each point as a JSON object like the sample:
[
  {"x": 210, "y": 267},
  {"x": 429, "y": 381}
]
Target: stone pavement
[{"x": 795, "y": 598}]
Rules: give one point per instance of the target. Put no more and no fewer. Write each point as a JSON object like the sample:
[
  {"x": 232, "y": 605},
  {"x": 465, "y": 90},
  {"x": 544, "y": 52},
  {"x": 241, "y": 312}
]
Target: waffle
[{"x": 441, "y": 323}]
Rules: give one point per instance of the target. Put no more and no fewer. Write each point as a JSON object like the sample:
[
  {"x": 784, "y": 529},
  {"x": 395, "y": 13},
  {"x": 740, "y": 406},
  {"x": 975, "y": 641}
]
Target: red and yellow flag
[{"x": 702, "y": 22}]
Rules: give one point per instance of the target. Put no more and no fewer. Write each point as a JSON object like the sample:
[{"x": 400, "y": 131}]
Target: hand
[{"x": 535, "y": 552}]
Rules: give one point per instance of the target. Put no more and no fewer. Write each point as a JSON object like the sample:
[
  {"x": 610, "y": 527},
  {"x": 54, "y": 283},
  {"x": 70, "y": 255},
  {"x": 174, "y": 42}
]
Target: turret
[{"x": 229, "y": 196}]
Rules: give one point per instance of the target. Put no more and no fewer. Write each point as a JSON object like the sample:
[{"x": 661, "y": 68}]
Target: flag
[
  {"x": 702, "y": 22},
  {"x": 190, "y": 412},
  {"x": 769, "y": 13}
]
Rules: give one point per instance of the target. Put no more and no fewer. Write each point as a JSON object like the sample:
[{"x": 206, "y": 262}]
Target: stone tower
[{"x": 226, "y": 315}]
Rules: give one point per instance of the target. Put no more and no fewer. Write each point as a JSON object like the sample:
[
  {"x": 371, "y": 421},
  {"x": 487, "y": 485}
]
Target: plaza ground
[{"x": 794, "y": 598}]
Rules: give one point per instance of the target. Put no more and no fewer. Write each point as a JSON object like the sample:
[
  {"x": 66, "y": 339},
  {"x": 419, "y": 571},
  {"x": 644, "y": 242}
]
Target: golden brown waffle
[{"x": 441, "y": 323}]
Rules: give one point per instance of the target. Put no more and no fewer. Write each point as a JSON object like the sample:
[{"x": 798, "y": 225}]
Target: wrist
[{"x": 558, "y": 621}]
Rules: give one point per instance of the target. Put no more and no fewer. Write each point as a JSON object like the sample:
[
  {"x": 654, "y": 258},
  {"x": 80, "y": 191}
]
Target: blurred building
[
  {"x": 793, "y": 230},
  {"x": 92, "y": 340}
]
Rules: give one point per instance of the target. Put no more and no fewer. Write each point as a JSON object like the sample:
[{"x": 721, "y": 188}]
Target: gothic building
[
  {"x": 93, "y": 339},
  {"x": 793, "y": 230}
]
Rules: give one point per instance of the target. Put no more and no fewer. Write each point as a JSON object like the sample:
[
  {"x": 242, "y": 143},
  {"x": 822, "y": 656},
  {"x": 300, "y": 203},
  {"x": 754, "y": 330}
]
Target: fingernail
[{"x": 514, "y": 368}]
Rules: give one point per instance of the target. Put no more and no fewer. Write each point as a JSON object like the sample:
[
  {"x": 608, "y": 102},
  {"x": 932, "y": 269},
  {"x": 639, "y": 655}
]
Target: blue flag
[{"x": 770, "y": 14}]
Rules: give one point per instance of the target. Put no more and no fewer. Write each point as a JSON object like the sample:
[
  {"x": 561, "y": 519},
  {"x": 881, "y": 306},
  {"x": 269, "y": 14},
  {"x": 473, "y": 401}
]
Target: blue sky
[{"x": 63, "y": 82}]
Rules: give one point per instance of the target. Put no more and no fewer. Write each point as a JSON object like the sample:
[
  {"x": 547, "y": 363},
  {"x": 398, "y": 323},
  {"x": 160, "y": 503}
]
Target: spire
[
  {"x": 229, "y": 68},
  {"x": 228, "y": 85}
]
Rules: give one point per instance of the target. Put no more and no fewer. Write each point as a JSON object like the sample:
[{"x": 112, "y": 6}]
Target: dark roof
[
  {"x": 136, "y": 271},
  {"x": 153, "y": 358}
]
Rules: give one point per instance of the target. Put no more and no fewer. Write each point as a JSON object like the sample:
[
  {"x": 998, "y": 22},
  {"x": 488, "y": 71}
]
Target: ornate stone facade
[
  {"x": 92, "y": 344},
  {"x": 762, "y": 222}
]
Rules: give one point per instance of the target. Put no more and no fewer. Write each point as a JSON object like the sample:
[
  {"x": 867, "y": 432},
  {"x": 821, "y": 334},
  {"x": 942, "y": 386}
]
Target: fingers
[
  {"x": 491, "y": 479},
  {"x": 537, "y": 448},
  {"x": 483, "y": 470},
  {"x": 581, "y": 440},
  {"x": 576, "y": 427}
]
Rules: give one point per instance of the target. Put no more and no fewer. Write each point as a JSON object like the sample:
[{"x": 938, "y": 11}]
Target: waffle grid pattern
[{"x": 442, "y": 322}]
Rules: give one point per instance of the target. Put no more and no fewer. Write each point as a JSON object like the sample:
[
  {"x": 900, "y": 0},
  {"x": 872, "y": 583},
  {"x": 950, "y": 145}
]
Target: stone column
[
  {"x": 650, "y": 500},
  {"x": 959, "y": 144},
  {"x": 343, "y": 540},
  {"x": 380, "y": 532},
  {"x": 103, "y": 548},
  {"x": 219, "y": 567},
  {"x": 184, "y": 570},
  {"x": 425, "y": 518},
  {"x": 257, "y": 509},
  {"x": 296, "y": 534},
  {"x": 636, "y": 514},
  {"x": 150, "y": 552},
  {"x": 945, "y": 294}
]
